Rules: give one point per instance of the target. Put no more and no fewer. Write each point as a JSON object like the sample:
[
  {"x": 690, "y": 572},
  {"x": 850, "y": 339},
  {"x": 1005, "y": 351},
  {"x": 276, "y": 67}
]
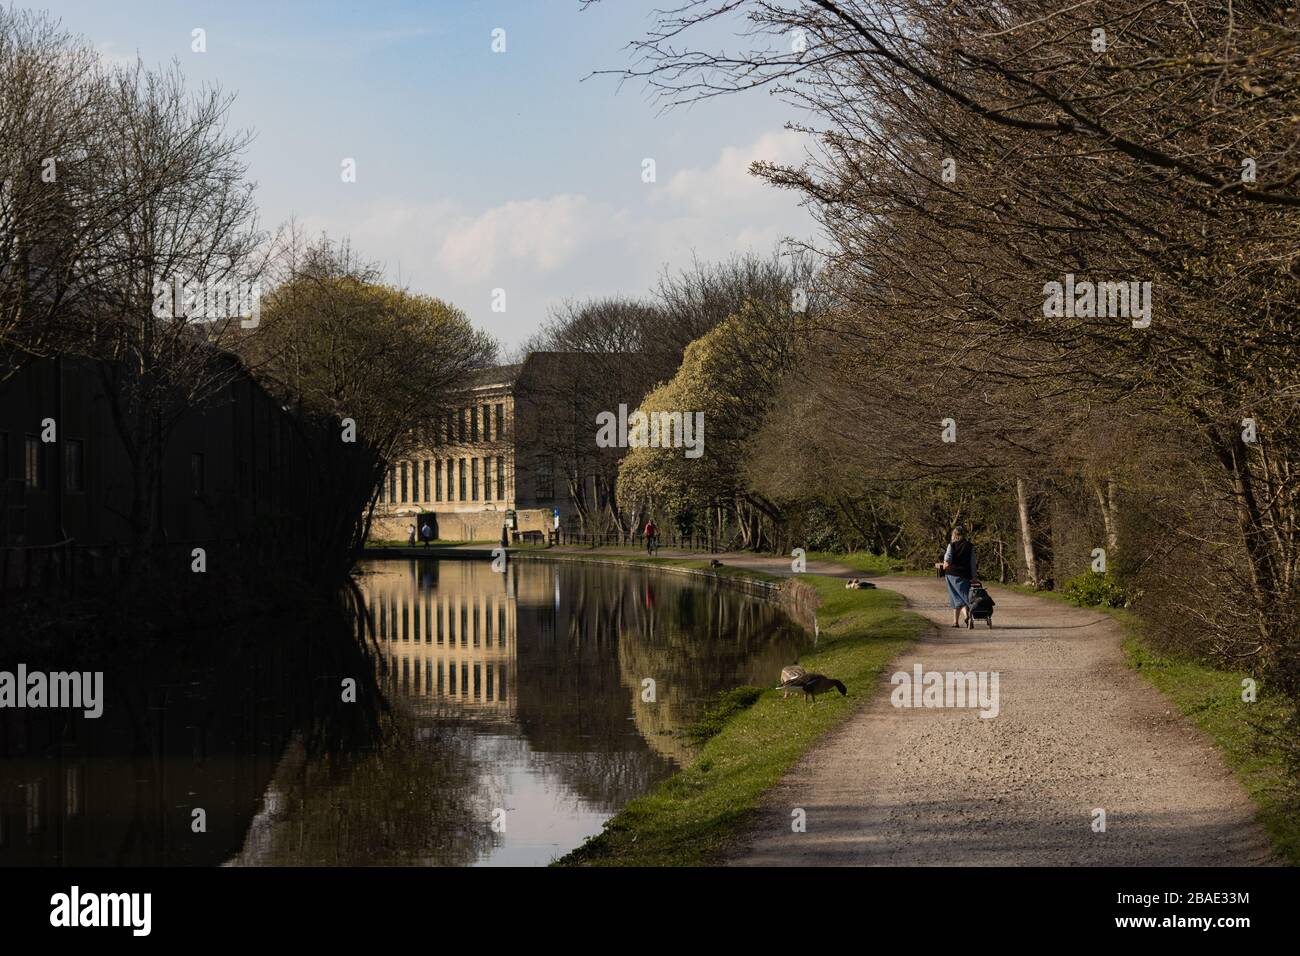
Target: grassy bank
[
  {"x": 1211, "y": 698},
  {"x": 863, "y": 561},
  {"x": 689, "y": 818}
]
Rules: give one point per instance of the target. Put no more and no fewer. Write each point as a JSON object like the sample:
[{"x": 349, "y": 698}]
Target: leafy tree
[{"x": 363, "y": 364}]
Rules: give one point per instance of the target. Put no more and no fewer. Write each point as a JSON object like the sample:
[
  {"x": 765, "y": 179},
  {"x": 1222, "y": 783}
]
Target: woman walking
[{"x": 958, "y": 568}]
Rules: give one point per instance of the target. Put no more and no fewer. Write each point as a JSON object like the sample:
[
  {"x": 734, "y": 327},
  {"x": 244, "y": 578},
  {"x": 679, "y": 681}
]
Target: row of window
[
  {"x": 459, "y": 478},
  {"x": 34, "y": 463},
  {"x": 440, "y": 680},
  {"x": 399, "y": 619},
  {"x": 465, "y": 426},
  {"x": 74, "y": 465}
]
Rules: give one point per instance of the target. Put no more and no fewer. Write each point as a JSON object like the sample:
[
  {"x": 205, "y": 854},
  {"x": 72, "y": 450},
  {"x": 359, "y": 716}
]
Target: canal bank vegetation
[
  {"x": 753, "y": 736},
  {"x": 1083, "y": 385}
]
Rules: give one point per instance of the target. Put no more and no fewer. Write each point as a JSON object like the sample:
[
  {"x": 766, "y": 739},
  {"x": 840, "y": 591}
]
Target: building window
[
  {"x": 415, "y": 481},
  {"x": 501, "y": 478},
  {"x": 198, "y": 474},
  {"x": 463, "y": 417},
  {"x": 473, "y": 479},
  {"x": 545, "y": 481},
  {"x": 34, "y": 464},
  {"x": 487, "y": 422},
  {"x": 487, "y": 479},
  {"x": 473, "y": 423},
  {"x": 406, "y": 490},
  {"x": 501, "y": 417},
  {"x": 427, "y": 495},
  {"x": 392, "y": 486},
  {"x": 460, "y": 484},
  {"x": 437, "y": 479}
]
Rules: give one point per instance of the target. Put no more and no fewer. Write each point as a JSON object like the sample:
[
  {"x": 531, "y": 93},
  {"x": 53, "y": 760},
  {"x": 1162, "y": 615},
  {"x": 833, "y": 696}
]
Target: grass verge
[
  {"x": 689, "y": 819},
  {"x": 863, "y": 561}
]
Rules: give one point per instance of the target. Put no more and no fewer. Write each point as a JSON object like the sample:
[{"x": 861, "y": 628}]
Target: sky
[{"x": 476, "y": 170}]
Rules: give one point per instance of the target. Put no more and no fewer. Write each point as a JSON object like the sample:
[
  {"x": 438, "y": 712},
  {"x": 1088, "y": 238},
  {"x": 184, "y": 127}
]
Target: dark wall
[{"x": 252, "y": 463}]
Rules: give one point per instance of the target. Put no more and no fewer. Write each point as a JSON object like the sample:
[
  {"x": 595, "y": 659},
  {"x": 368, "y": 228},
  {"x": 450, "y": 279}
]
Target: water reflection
[
  {"x": 199, "y": 721},
  {"x": 525, "y": 692}
]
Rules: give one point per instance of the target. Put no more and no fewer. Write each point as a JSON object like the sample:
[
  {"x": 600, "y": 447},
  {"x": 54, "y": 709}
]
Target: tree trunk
[
  {"x": 1026, "y": 532},
  {"x": 1106, "y": 498}
]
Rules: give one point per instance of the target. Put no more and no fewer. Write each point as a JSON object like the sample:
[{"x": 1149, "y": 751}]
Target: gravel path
[{"x": 1077, "y": 730}]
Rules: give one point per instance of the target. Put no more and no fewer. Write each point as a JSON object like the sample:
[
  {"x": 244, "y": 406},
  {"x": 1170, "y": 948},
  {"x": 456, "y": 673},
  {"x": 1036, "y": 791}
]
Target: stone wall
[{"x": 459, "y": 526}]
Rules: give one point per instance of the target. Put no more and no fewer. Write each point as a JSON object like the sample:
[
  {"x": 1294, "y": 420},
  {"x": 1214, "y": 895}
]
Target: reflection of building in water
[
  {"x": 562, "y": 652},
  {"x": 446, "y": 634}
]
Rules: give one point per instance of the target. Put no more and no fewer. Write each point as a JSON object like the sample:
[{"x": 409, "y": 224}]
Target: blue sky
[{"x": 475, "y": 170}]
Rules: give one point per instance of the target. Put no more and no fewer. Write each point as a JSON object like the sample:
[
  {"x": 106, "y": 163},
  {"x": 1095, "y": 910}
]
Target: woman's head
[{"x": 958, "y": 533}]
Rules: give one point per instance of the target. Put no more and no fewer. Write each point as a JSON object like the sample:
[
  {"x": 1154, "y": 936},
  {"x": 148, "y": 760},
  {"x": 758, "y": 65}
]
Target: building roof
[{"x": 497, "y": 375}]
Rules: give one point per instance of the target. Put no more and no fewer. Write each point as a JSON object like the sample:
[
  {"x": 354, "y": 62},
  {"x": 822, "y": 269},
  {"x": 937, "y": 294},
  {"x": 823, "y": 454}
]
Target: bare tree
[
  {"x": 189, "y": 227},
  {"x": 53, "y": 210}
]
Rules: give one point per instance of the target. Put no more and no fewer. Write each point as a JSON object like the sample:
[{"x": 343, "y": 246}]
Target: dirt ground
[{"x": 1076, "y": 731}]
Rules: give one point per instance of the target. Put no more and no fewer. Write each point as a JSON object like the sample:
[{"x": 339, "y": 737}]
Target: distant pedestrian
[
  {"x": 958, "y": 568},
  {"x": 426, "y": 534},
  {"x": 651, "y": 532},
  {"x": 410, "y": 537}
]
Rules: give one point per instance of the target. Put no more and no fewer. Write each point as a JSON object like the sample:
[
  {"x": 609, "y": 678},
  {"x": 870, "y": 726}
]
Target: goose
[
  {"x": 814, "y": 684},
  {"x": 789, "y": 674}
]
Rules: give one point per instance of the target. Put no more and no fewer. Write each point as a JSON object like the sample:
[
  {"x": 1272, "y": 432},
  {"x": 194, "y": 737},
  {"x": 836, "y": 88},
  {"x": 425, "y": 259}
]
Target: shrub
[{"x": 1091, "y": 589}]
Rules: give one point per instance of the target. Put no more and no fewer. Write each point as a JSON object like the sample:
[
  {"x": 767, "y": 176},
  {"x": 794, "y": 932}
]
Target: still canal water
[{"x": 500, "y": 719}]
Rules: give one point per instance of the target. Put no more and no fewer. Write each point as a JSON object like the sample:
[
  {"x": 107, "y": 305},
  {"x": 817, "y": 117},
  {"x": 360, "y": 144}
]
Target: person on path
[
  {"x": 410, "y": 537},
  {"x": 651, "y": 532},
  {"x": 426, "y": 534},
  {"x": 958, "y": 568}
]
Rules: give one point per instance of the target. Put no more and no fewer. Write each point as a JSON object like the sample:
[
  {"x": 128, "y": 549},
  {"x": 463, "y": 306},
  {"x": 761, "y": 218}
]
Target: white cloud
[
  {"x": 728, "y": 181},
  {"x": 535, "y": 234},
  {"x": 546, "y": 250},
  {"x": 112, "y": 56}
]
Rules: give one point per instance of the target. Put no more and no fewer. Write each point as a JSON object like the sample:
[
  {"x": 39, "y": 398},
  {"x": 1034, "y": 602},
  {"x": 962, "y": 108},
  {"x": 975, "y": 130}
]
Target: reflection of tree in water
[
  {"x": 580, "y": 781},
  {"x": 194, "y": 719},
  {"x": 416, "y": 799},
  {"x": 572, "y": 706},
  {"x": 695, "y": 640},
  {"x": 582, "y": 667}
]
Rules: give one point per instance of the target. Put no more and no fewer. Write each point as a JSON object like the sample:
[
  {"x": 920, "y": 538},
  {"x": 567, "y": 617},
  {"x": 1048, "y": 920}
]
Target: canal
[{"x": 484, "y": 718}]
